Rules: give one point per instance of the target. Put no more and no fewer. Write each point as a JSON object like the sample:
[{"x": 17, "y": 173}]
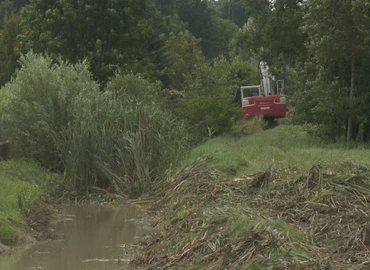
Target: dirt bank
[{"x": 268, "y": 220}]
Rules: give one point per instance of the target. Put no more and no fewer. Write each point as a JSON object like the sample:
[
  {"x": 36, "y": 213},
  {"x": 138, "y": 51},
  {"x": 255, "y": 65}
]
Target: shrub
[
  {"x": 209, "y": 104},
  {"x": 119, "y": 139},
  {"x": 41, "y": 101},
  {"x": 208, "y": 115}
]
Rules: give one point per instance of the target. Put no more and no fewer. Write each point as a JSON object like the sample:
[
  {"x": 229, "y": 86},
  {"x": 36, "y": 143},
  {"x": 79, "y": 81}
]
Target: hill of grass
[{"x": 286, "y": 146}]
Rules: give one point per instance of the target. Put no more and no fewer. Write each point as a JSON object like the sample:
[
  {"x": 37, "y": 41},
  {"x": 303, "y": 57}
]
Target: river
[{"x": 91, "y": 237}]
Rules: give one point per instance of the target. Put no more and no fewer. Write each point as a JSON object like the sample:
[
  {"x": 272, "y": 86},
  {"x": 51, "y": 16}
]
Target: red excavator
[{"x": 265, "y": 99}]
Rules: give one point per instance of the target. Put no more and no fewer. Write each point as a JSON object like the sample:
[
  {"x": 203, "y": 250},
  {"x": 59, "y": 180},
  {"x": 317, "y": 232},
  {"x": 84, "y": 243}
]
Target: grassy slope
[
  {"x": 304, "y": 210},
  {"x": 22, "y": 184},
  {"x": 287, "y": 146}
]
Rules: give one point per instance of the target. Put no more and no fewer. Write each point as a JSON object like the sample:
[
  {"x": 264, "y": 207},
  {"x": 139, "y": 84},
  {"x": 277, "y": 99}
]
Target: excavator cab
[{"x": 265, "y": 99}]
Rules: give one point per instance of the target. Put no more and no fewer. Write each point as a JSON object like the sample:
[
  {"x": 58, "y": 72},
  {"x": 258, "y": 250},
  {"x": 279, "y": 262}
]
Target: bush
[
  {"x": 209, "y": 115},
  {"x": 41, "y": 101},
  {"x": 119, "y": 139},
  {"x": 209, "y": 104}
]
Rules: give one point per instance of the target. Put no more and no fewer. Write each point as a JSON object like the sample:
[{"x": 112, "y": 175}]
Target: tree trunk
[{"x": 351, "y": 93}]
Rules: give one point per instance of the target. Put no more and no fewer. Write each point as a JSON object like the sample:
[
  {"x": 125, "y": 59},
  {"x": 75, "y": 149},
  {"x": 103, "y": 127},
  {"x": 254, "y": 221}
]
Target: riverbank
[
  {"x": 280, "y": 199},
  {"x": 25, "y": 204},
  {"x": 33, "y": 205}
]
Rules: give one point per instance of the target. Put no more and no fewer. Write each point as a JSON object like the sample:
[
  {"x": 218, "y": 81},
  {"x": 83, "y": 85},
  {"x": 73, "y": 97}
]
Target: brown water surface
[{"x": 92, "y": 237}]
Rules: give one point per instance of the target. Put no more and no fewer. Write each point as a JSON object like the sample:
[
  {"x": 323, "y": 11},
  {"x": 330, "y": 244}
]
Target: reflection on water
[{"x": 93, "y": 237}]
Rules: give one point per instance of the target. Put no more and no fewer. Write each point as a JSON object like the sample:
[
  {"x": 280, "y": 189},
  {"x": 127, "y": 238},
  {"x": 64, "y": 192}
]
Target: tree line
[{"x": 201, "y": 51}]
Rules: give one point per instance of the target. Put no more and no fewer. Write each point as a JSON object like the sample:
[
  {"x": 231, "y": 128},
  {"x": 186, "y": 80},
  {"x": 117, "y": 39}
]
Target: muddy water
[{"x": 91, "y": 237}]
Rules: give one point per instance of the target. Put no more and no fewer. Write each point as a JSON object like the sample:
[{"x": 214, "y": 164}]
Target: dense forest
[{"x": 75, "y": 65}]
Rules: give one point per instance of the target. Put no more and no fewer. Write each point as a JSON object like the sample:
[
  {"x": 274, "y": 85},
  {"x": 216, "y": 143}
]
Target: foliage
[
  {"x": 242, "y": 73},
  {"x": 231, "y": 10},
  {"x": 9, "y": 7},
  {"x": 183, "y": 59},
  {"x": 273, "y": 32},
  {"x": 109, "y": 33},
  {"x": 9, "y": 53},
  {"x": 213, "y": 31},
  {"x": 209, "y": 107},
  {"x": 224, "y": 32},
  {"x": 335, "y": 64},
  {"x": 151, "y": 58},
  {"x": 120, "y": 139},
  {"x": 41, "y": 101},
  {"x": 208, "y": 90},
  {"x": 208, "y": 115}
]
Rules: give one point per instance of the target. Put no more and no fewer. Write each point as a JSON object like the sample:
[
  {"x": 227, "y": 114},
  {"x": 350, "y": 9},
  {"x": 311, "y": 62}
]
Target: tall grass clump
[
  {"x": 126, "y": 141},
  {"x": 118, "y": 139}
]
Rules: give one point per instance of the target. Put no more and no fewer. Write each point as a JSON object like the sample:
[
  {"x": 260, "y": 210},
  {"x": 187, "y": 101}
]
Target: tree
[
  {"x": 166, "y": 7},
  {"x": 207, "y": 90},
  {"x": 8, "y": 7},
  {"x": 204, "y": 24},
  {"x": 183, "y": 59},
  {"x": 273, "y": 32},
  {"x": 223, "y": 33},
  {"x": 9, "y": 53},
  {"x": 150, "y": 52},
  {"x": 338, "y": 37},
  {"x": 231, "y": 10},
  {"x": 108, "y": 33},
  {"x": 199, "y": 19},
  {"x": 203, "y": 21}
]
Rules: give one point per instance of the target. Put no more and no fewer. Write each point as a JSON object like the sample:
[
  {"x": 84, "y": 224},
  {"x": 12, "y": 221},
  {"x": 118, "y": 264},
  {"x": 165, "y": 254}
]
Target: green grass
[
  {"x": 22, "y": 183},
  {"x": 286, "y": 146}
]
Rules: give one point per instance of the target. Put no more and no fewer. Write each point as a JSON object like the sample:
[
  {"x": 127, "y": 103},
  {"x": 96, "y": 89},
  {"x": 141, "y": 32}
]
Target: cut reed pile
[{"x": 267, "y": 220}]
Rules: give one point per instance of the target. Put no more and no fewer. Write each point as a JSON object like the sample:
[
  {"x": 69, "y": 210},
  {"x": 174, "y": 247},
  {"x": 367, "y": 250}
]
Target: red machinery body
[
  {"x": 265, "y": 99},
  {"x": 270, "y": 107}
]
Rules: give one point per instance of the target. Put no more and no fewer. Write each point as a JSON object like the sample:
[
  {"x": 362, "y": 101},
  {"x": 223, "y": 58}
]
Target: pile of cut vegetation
[{"x": 274, "y": 219}]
